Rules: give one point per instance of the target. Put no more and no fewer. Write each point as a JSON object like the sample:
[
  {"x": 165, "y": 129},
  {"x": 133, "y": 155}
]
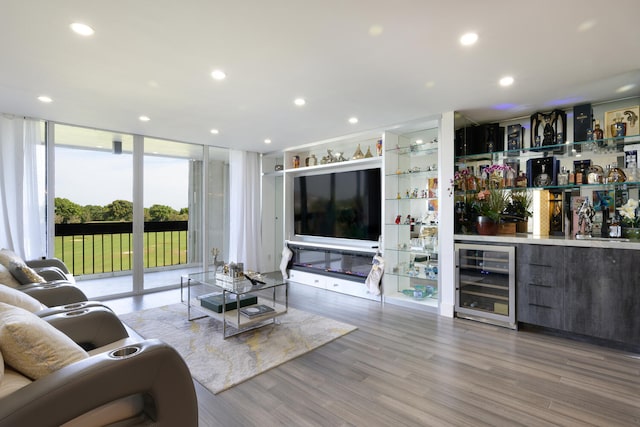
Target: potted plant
[
  {"x": 490, "y": 205},
  {"x": 630, "y": 219},
  {"x": 518, "y": 209}
]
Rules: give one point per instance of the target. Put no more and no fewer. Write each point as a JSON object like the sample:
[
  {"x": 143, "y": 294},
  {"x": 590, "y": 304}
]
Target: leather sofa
[
  {"x": 47, "y": 280},
  {"x": 78, "y": 365}
]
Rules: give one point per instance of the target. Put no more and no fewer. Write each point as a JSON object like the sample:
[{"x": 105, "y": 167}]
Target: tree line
[{"x": 68, "y": 212}]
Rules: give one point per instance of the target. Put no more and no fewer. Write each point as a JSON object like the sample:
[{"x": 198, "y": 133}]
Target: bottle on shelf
[{"x": 598, "y": 134}]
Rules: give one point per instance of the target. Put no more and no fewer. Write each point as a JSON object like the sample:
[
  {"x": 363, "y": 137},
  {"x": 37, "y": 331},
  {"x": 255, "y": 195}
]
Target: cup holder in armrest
[
  {"x": 74, "y": 306},
  {"x": 124, "y": 352},
  {"x": 76, "y": 312}
]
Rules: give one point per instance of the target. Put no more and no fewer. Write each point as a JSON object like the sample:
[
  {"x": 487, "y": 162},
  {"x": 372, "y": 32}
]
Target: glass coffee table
[{"x": 238, "y": 303}]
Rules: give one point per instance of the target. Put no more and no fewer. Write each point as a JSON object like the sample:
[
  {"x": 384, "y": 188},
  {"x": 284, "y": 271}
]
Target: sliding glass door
[
  {"x": 93, "y": 207},
  {"x": 173, "y": 240}
]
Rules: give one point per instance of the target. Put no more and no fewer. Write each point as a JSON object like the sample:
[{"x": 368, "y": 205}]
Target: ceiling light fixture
[
  {"x": 625, "y": 88},
  {"x": 353, "y": 120},
  {"x": 267, "y": 141},
  {"x": 468, "y": 39},
  {"x": 506, "y": 81},
  {"x": 218, "y": 74},
  {"x": 299, "y": 102},
  {"x": 45, "y": 99},
  {"x": 419, "y": 141},
  {"x": 215, "y": 131},
  {"x": 82, "y": 29},
  {"x": 144, "y": 118}
]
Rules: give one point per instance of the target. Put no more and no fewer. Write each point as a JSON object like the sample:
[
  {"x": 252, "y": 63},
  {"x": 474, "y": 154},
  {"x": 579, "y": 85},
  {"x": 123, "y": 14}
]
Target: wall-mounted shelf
[{"x": 600, "y": 147}]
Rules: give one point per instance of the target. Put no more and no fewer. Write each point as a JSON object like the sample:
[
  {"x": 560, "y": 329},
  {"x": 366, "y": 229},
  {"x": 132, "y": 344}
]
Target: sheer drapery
[
  {"x": 22, "y": 222},
  {"x": 244, "y": 209}
]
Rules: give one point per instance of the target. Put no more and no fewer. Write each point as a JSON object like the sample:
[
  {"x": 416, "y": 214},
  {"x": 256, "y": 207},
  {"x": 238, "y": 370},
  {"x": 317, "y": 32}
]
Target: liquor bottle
[
  {"x": 521, "y": 180},
  {"x": 597, "y": 132}
]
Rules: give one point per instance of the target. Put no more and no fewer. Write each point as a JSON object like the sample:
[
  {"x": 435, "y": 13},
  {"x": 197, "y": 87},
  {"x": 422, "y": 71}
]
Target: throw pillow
[
  {"x": 18, "y": 298},
  {"x": 7, "y": 256},
  {"x": 6, "y": 278},
  {"x": 25, "y": 274},
  {"x": 32, "y": 346}
]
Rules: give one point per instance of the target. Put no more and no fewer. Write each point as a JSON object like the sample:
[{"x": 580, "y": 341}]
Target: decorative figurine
[
  {"x": 585, "y": 219},
  {"x": 358, "y": 154}
]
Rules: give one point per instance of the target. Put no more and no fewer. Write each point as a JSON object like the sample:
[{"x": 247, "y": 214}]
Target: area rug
[{"x": 219, "y": 364}]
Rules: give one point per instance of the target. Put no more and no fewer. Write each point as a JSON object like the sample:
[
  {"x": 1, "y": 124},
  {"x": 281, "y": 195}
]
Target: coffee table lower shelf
[{"x": 240, "y": 322}]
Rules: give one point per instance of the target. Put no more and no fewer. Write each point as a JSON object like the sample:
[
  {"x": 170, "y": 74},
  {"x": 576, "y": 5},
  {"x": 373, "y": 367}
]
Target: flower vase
[
  {"x": 631, "y": 233},
  {"x": 486, "y": 226}
]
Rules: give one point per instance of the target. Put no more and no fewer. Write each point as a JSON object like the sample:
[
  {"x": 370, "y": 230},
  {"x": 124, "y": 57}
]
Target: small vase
[
  {"x": 631, "y": 233},
  {"x": 486, "y": 226}
]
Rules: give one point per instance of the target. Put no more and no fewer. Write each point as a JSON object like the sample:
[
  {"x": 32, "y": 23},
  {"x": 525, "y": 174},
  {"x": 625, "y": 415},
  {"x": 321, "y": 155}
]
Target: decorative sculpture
[{"x": 585, "y": 219}]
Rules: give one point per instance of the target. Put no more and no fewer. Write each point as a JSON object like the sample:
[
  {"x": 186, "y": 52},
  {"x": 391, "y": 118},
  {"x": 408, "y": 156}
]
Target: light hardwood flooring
[{"x": 405, "y": 367}]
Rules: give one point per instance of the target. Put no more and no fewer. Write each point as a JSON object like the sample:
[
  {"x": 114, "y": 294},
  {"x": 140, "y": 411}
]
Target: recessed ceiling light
[
  {"x": 82, "y": 29},
  {"x": 375, "y": 30},
  {"x": 625, "y": 88},
  {"x": 215, "y": 131},
  {"x": 144, "y": 118},
  {"x": 468, "y": 39},
  {"x": 267, "y": 141},
  {"x": 353, "y": 120},
  {"x": 45, "y": 99},
  {"x": 299, "y": 102},
  {"x": 419, "y": 141},
  {"x": 506, "y": 81},
  {"x": 218, "y": 74}
]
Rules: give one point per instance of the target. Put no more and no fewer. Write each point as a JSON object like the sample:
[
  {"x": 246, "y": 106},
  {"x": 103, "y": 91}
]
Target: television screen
[{"x": 340, "y": 204}]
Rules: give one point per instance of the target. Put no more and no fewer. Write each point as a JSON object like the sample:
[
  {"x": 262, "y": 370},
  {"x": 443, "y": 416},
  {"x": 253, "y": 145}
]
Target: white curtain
[
  {"x": 244, "y": 209},
  {"x": 22, "y": 224}
]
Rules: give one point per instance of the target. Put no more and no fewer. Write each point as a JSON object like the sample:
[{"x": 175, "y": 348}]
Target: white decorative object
[{"x": 286, "y": 257}]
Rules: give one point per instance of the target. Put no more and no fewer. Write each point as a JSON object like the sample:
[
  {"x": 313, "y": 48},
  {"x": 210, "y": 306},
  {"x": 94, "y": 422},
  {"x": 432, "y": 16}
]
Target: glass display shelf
[
  {"x": 410, "y": 198},
  {"x": 414, "y": 251},
  {"x": 416, "y": 150},
  {"x": 415, "y": 173},
  {"x": 420, "y": 276},
  {"x": 607, "y": 185},
  {"x": 606, "y": 146}
]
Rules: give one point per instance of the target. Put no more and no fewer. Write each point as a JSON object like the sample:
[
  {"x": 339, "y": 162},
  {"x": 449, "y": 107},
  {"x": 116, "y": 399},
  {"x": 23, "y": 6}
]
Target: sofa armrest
[
  {"x": 48, "y": 262},
  {"x": 51, "y": 273},
  {"x": 155, "y": 370},
  {"x": 90, "y": 326},
  {"x": 54, "y": 293},
  {"x": 69, "y": 307}
]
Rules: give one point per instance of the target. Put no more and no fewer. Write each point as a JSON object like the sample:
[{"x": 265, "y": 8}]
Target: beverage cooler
[{"x": 485, "y": 283}]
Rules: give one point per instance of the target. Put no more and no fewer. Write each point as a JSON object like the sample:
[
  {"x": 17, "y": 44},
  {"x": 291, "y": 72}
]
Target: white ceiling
[{"x": 386, "y": 62}]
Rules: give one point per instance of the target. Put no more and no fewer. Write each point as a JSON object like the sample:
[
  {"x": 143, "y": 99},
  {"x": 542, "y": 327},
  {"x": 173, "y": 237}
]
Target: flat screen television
[{"x": 339, "y": 204}]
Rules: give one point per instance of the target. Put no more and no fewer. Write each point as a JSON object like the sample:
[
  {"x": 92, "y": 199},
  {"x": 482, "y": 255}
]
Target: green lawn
[{"x": 105, "y": 253}]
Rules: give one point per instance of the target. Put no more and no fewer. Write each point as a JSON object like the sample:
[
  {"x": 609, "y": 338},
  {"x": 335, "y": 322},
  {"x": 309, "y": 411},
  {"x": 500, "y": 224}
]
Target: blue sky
[{"x": 98, "y": 178}]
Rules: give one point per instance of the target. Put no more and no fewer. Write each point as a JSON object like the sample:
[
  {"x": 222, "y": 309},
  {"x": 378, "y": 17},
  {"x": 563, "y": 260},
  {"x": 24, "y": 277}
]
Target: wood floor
[{"x": 405, "y": 367}]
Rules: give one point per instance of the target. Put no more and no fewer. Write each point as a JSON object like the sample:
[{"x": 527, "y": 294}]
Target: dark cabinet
[
  {"x": 603, "y": 292},
  {"x": 588, "y": 291},
  {"x": 540, "y": 285}
]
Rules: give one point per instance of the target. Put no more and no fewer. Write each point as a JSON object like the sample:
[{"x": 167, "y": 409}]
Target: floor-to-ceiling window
[
  {"x": 135, "y": 213},
  {"x": 173, "y": 183},
  {"x": 93, "y": 189}
]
